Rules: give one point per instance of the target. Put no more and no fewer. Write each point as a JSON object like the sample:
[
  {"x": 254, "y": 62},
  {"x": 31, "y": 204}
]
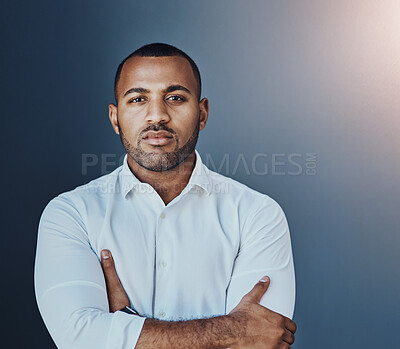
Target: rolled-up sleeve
[
  {"x": 70, "y": 288},
  {"x": 265, "y": 249}
]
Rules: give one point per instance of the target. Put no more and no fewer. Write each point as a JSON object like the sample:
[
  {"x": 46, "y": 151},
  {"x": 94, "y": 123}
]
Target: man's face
[{"x": 158, "y": 116}]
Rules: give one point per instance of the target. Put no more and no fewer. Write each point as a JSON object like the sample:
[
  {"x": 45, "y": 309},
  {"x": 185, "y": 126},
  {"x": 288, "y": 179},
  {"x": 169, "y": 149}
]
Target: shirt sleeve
[
  {"x": 265, "y": 249},
  {"x": 70, "y": 287}
]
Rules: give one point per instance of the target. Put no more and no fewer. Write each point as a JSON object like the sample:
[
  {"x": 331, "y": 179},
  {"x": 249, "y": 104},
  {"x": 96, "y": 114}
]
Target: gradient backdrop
[{"x": 305, "y": 106}]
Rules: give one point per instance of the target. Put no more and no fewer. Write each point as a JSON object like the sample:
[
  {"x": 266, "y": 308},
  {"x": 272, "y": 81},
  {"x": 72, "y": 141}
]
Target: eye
[
  {"x": 176, "y": 98},
  {"x": 136, "y": 100}
]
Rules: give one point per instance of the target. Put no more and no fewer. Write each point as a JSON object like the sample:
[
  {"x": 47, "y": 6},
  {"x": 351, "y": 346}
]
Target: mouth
[{"x": 159, "y": 138}]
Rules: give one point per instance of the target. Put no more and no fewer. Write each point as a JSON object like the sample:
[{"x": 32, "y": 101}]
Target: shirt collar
[{"x": 199, "y": 178}]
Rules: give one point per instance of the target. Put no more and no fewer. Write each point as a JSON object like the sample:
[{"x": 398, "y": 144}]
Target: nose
[{"x": 157, "y": 112}]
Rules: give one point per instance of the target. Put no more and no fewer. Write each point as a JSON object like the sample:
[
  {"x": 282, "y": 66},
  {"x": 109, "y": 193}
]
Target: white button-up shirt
[{"x": 195, "y": 257}]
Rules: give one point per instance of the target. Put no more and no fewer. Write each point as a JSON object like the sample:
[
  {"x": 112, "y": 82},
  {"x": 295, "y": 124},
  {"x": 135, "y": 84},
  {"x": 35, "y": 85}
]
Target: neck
[{"x": 168, "y": 184}]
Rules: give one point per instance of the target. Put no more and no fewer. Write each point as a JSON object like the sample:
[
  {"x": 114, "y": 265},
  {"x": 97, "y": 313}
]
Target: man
[{"x": 188, "y": 245}]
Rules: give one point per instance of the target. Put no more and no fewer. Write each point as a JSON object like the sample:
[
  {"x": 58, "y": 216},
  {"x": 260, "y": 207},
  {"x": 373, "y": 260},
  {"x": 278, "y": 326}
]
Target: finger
[
  {"x": 258, "y": 290},
  {"x": 117, "y": 297},
  {"x": 106, "y": 259},
  {"x": 288, "y": 337},
  {"x": 112, "y": 280},
  {"x": 284, "y": 346},
  {"x": 291, "y": 325}
]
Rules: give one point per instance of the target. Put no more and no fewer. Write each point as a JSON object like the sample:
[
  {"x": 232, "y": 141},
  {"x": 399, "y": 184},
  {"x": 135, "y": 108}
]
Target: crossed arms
[
  {"x": 72, "y": 295},
  {"x": 248, "y": 325}
]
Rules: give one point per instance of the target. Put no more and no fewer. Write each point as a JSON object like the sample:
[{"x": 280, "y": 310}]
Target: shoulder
[
  {"x": 251, "y": 206},
  {"x": 240, "y": 192},
  {"x": 77, "y": 200}
]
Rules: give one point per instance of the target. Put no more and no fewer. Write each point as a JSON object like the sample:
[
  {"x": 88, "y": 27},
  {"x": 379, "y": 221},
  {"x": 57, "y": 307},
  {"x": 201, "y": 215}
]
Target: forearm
[{"x": 217, "y": 332}]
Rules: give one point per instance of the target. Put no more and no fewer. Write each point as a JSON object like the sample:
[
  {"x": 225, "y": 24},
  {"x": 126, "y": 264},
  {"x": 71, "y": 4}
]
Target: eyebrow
[{"x": 170, "y": 88}]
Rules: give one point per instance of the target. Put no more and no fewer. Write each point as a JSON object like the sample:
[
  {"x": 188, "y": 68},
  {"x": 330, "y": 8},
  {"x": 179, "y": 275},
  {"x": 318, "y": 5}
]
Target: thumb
[
  {"x": 117, "y": 297},
  {"x": 258, "y": 290},
  {"x": 110, "y": 274},
  {"x": 107, "y": 261}
]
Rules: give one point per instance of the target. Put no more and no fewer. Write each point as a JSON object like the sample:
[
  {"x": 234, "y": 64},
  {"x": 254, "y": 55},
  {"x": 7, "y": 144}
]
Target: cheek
[
  {"x": 129, "y": 133},
  {"x": 186, "y": 130},
  {"x": 130, "y": 127},
  {"x": 187, "y": 120}
]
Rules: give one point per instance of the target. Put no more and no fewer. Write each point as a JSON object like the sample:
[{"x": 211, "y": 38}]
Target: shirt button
[
  {"x": 163, "y": 264},
  {"x": 161, "y": 314},
  {"x": 162, "y": 215}
]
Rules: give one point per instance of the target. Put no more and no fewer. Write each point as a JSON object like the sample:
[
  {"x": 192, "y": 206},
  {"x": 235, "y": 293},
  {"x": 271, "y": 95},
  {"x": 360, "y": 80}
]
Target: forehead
[{"x": 157, "y": 72}]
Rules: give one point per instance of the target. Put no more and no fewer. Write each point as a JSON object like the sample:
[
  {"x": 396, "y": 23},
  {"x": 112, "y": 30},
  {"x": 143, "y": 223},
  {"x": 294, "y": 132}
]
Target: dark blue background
[{"x": 283, "y": 77}]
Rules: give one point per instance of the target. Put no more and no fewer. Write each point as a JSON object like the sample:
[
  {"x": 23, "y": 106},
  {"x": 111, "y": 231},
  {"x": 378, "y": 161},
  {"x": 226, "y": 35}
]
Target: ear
[
  {"x": 203, "y": 104},
  {"x": 113, "y": 115}
]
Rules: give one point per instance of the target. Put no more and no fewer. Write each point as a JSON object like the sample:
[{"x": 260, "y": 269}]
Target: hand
[
  {"x": 262, "y": 327},
  {"x": 117, "y": 297}
]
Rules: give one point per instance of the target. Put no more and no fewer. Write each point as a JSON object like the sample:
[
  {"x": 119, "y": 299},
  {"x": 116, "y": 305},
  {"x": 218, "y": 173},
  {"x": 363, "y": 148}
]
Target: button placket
[{"x": 161, "y": 263}]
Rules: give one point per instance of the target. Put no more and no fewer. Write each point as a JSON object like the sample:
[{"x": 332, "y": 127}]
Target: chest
[{"x": 179, "y": 256}]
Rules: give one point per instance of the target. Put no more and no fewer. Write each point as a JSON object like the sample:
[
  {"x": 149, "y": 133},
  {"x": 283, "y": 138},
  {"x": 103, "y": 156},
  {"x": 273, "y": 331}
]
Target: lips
[
  {"x": 157, "y": 134},
  {"x": 158, "y": 138}
]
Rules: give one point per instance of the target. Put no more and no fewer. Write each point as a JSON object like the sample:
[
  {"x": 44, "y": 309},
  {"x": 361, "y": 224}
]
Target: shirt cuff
[{"x": 125, "y": 330}]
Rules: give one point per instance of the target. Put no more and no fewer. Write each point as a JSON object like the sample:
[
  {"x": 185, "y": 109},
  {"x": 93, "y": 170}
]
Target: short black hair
[{"x": 158, "y": 50}]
